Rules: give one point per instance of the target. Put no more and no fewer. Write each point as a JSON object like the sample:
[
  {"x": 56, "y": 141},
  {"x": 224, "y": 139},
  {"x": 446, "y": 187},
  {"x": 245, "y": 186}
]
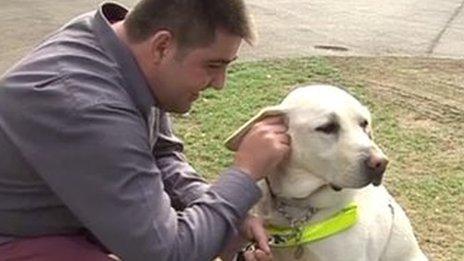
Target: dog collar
[{"x": 306, "y": 234}]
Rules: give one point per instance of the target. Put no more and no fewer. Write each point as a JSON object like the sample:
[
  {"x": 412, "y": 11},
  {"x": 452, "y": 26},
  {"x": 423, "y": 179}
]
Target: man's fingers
[
  {"x": 262, "y": 256},
  {"x": 249, "y": 256},
  {"x": 257, "y": 255},
  {"x": 260, "y": 236},
  {"x": 284, "y": 139}
]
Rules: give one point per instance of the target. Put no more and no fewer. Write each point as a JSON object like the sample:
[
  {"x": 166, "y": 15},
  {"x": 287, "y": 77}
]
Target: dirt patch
[{"x": 432, "y": 88}]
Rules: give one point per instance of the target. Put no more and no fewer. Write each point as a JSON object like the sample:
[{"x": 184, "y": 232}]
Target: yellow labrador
[{"x": 327, "y": 201}]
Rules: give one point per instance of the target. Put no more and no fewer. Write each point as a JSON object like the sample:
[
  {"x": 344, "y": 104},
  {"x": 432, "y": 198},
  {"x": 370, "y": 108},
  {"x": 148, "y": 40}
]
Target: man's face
[{"x": 183, "y": 74}]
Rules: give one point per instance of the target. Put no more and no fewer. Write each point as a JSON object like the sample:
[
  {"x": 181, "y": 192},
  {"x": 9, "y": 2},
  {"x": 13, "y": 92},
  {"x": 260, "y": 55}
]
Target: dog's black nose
[{"x": 376, "y": 166}]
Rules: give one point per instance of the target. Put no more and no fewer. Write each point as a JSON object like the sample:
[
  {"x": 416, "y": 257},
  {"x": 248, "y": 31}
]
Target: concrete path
[
  {"x": 287, "y": 28},
  {"x": 359, "y": 27}
]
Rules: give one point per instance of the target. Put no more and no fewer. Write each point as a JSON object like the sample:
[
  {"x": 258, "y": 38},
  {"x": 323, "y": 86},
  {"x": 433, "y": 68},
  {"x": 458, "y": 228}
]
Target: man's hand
[
  {"x": 253, "y": 229},
  {"x": 256, "y": 255},
  {"x": 263, "y": 147}
]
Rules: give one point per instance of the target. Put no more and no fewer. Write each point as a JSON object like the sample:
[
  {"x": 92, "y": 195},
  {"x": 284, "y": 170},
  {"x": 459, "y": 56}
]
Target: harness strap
[{"x": 290, "y": 237}]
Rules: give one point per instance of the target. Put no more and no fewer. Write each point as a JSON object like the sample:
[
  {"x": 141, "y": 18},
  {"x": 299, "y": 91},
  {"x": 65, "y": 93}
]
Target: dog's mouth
[
  {"x": 375, "y": 181},
  {"x": 335, "y": 187}
]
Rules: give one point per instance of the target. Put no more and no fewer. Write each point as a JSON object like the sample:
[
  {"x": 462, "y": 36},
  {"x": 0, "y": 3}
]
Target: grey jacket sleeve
[
  {"x": 96, "y": 157},
  {"x": 181, "y": 181}
]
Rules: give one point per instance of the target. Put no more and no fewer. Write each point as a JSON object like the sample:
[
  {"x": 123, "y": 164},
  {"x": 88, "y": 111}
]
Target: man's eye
[{"x": 329, "y": 128}]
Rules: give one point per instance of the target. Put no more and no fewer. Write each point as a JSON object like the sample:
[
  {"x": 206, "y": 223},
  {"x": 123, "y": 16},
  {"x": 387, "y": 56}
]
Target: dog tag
[{"x": 298, "y": 252}]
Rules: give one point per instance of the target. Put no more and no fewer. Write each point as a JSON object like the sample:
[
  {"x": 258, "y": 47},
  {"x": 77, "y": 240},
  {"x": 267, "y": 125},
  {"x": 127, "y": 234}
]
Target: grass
[{"x": 426, "y": 174}]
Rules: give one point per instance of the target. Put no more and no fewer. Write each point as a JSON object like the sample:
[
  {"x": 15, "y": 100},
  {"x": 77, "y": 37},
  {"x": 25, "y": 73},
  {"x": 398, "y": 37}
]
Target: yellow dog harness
[{"x": 296, "y": 236}]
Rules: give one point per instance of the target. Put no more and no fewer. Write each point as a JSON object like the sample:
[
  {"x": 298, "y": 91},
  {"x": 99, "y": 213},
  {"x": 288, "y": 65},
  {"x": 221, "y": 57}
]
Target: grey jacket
[{"x": 83, "y": 146}]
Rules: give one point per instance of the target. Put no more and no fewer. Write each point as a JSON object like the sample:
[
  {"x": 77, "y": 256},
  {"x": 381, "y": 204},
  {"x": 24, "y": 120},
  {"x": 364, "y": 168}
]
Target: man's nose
[
  {"x": 219, "y": 81},
  {"x": 376, "y": 163}
]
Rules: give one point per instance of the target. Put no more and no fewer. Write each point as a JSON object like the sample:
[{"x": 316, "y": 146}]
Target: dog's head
[{"x": 331, "y": 141}]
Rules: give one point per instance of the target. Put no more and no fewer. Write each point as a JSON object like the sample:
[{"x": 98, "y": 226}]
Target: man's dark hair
[{"x": 192, "y": 22}]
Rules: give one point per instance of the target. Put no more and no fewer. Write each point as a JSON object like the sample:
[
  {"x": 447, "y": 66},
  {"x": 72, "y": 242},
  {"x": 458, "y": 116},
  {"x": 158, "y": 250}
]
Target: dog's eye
[
  {"x": 364, "y": 124},
  {"x": 329, "y": 128}
]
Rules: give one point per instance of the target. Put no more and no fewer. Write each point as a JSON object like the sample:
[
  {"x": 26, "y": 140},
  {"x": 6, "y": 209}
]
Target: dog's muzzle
[{"x": 375, "y": 166}]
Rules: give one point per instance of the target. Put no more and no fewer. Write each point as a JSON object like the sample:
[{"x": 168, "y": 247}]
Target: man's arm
[
  {"x": 181, "y": 181},
  {"x": 97, "y": 159}
]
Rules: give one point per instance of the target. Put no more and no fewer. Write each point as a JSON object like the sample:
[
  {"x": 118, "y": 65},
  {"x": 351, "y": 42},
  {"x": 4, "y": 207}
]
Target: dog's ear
[{"x": 235, "y": 139}]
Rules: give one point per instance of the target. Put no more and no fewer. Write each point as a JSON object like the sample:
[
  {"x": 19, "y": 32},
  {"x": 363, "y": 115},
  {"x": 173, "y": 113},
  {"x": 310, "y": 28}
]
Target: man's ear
[
  {"x": 235, "y": 139},
  {"x": 161, "y": 43}
]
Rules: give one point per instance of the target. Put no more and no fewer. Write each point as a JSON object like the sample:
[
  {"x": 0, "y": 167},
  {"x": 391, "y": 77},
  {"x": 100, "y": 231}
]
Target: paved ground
[
  {"x": 359, "y": 27},
  {"x": 287, "y": 27}
]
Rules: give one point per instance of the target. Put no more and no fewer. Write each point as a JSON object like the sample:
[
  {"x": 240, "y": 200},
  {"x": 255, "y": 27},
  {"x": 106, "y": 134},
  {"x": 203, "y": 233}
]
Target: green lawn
[{"x": 426, "y": 173}]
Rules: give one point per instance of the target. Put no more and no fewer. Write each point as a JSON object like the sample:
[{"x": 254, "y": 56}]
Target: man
[{"x": 89, "y": 164}]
